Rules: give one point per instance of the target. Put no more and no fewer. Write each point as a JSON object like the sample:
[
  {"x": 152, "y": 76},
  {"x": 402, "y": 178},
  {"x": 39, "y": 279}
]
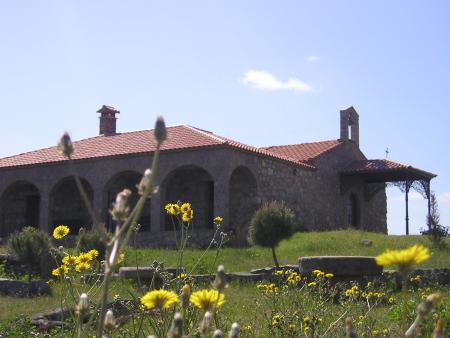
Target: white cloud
[
  {"x": 312, "y": 58},
  {"x": 263, "y": 80},
  {"x": 444, "y": 197}
]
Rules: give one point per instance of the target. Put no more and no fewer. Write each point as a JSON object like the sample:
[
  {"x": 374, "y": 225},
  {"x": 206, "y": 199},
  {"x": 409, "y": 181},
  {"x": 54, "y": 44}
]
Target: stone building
[{"x": 328, "y": 184}]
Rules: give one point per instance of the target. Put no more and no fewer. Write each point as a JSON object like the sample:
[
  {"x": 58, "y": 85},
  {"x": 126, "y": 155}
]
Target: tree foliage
[{"x": 270, "y": 224}]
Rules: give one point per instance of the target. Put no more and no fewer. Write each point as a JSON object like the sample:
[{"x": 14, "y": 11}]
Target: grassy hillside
[{"x": 343, "y": 242}]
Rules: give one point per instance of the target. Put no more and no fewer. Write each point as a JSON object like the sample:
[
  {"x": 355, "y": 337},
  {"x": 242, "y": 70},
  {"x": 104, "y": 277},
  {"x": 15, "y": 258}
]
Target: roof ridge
[
  {"x": 207, "y": 134},
  {"x": 300, "y": 144}
]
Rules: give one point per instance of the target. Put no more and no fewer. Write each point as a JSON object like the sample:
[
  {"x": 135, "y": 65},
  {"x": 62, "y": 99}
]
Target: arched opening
[
  {"x": 126, "y": 180},
  {"x": 194, "y": 185},
  {"x": 67, "y": 206},
  {"x": 243, "y": 202},
  {"x": 353, "y": 211},
  {"x": 19, "y": 207}
]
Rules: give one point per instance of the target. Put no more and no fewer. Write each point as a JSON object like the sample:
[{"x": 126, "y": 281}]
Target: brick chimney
[
  {"x": 108, "y": 120},
  {"x": 350, "y": 125}
]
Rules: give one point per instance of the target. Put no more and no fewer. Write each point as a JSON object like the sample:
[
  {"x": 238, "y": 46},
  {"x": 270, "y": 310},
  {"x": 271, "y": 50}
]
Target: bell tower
[{"x": 350, "y": 125}]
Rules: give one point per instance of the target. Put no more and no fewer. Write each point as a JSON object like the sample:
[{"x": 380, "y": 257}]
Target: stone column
[
  {"x": 44, "y": 209},
  {"x": 222, "y": 198},
  {"x": 98, "y": 203}
]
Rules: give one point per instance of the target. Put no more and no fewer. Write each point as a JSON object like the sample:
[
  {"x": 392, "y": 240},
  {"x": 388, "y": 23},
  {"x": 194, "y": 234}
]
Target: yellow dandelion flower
[
  {"x": 61, "y": 231},
  {"x": 317, "y": 272},
  {"x": 172, "y": 209},
  {"x": 187, "y": 216},
  {"x": 312, "y": 284},
  {"x": 404, "y": 259},
  {"x": 93, "y": 254},
  {"x": 83, "y": 257},
  {"x": 185, "y": 207},
  {"x": 69, "y": 260},
  {"x": 329, "y": 275},
  {"x": 207, "y": 299},
  {"x": 63, "y": 269},
  {"x": 218, "y": 220},
  {"x": 83, "y": 266},
  {"x": 159, "y": 299}
]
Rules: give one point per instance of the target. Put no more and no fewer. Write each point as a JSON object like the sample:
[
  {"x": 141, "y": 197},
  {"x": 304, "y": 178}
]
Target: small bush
[
  {"x": 91, "y": 239},
  {"x": 32, "y": 248},
  {"x": 272, "y": 223}
]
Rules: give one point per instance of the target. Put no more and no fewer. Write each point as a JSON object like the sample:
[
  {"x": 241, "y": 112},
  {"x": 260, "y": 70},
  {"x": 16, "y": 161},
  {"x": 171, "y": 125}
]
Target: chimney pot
[{"x": 108, "y": 120}]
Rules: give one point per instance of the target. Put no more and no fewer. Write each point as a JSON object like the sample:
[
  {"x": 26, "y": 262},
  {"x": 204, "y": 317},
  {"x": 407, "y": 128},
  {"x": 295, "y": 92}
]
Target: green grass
[
  {"x": 344, "y": 242},
  {"x": 243, "y": 303}
]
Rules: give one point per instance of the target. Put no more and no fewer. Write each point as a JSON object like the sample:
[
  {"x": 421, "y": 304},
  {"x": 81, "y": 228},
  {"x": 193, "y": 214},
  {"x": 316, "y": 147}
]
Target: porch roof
[{"x": 373, "y": 171}]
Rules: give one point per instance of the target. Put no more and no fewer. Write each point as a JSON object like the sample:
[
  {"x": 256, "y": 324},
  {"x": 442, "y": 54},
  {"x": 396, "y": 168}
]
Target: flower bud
[
  {"x": 350, "y": 331},
  {"x": 217, "y": 334},
  {"x": 186, "y": 291},
  {"x": 205, "y": 325},
  {"x": 160, "y": 130},
  {"x": 83, "y": 305},
  {"x": 234, "y": 332},
  {"x": 110, "y": 321},
  {"x": 439, "y": 329},
  {"x": 145, "y": 185},
  {"x": 220, "y": 281},
  {"x": 120, "y": 209},
  {"x": 65, "y": 146},
  {"x": 176, "y": 330}
]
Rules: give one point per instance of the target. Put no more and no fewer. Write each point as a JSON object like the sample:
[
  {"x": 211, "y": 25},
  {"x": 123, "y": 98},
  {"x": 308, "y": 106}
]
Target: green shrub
[
  {"x": 272, "y": 223},
  {"x": 32, "y": 248},
  {"x": 91, "y": 239}
]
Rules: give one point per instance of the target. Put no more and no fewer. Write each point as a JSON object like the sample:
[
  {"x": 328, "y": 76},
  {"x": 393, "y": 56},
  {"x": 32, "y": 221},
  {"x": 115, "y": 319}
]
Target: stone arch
[
  {"x": 19, "y": 207},
  {"x": 353, "y": 211},
  {"x": 191, "y": 184},
  {"x": 67, "y": 206},
  {"x": 128, "y": 179},
  {"x": 243, "y": 202}
]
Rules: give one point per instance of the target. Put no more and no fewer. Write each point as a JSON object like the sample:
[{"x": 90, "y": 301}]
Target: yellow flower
[
  {"x": 404, "y": 259},
  {"x": 172, "y": 209},
  {"x": 185, "y": 207},
  {"x": 218, "y": 220},
  {"x": 121, "y": 258},
  {"x": 188, "y": 215},
  {"x": 93, "y": 254},
  {"x": 159, "y": 299},
  {"x": 317, "y": 272},
  {"x": 207, "y": 299},
  {"x": 83, "y": 266},
  {"x": 69, "y": 260},
  {"x": 312, "y": 284},
  {"x": 329, "y": 275},
  {"x": 182, "y": 276},
  {"x": 83, "y": 258},
  {"x": 61, "y": 231},
  {"x": 63, "y": 269}
]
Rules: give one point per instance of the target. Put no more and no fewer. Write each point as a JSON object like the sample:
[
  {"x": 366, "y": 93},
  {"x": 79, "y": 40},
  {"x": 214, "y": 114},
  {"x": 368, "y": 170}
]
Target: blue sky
[{"x": 261, "y": 72}]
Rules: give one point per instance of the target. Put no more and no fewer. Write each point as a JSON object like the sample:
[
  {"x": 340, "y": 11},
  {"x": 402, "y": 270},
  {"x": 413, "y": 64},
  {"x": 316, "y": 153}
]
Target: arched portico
[
  {"x": 243, "y": 202},
  {"x": 191, "y": 184},
  {"x": 67, "y": 206},
  {"x": 125, "y": 180},
  {"x": 19, "y": 207}
]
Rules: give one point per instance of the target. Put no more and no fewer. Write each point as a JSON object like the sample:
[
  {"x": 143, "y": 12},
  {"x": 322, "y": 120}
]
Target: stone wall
[{"x": 238, "y": 182}]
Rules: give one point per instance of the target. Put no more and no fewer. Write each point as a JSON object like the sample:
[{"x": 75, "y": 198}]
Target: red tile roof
[
  {"x": 178, "y": 138},
  {"x": 381, "y": 166},
  {"x": 305, "y": 152}
]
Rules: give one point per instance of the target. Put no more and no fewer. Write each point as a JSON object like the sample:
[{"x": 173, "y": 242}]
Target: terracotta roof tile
[
  {"x": 178, "y": 138},
  {"x": 304, "y": 152},
  {"x": 383, "y": 166},
  {"x": 374, "y": 165}
]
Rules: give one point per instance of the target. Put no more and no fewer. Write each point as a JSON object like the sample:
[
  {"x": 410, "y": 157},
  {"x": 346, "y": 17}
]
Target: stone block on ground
[{"x": 341, "y": 266}]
